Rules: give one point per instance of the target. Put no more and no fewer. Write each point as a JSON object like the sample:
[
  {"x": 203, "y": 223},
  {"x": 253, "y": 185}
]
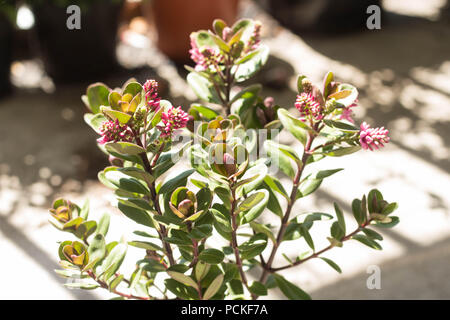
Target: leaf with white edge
[
  {"x": 182, "y": 278},
  {"x": 95, "y": 121},
  {"x": 124, "y": 148},
  {"x": 137, "y": 215},
  {"x": 252, "y": 206},
  {"x": 145, "y": 245},
  {"x": 202, "y": 88},
  {"x": 295, "y": 126},
  {"x": 248, "y": 67},
  {"x": 84, "y": 286},
  {"x": 113, "y": 261},
  {"x": 278, "y": 158},
  {"x": 342, "y": 151},
  {"x": 103, "y": 224},
  {"x": 213, "y": 287},
  {"x": 261, "y": 228},
  {"x": 290, "y": 290}
]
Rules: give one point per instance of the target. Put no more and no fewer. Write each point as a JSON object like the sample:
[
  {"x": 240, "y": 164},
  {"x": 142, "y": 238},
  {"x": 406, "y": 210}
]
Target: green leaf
[
  {"x": 96, "y": 251},
  {"x": 342, "y": 151},
  {"x": 248, "y": 67},
  {"x": 206, "y": 112},
  {"x": 124, "y": 148},
  {"x": 137, "y": 173},
  {"x": 367, "y": 241},
  {"x": 103, "y": 224},
  {"x": 115, "y": 282},
  {"x": 372, "y": 234},
  {"x": 201, "y": 270},
  {"x": 290, "y": 290},
  {"x": 122, "y": 117},
  {"x": 213, "y": 287},
  {"x": 300, "y": 84},
  {"x": 137, "y": 215},
  {"x": 261, "y": 228},
  {"x": 97, "y": 95},
  {"x": 279, "y": 158},
  {"x": 145, "y": 245},
  {"x": 123, "y": 181},
  {"x": 295, "y": 126},
  {"x": 202, "y": 88},
  {"x": 307, "y": 236},
  {"x": 201, "y": 231},
  {"x": 255, "y": 175},
  {"x": 341, "y": 126},
  {"x": 258, "y": 288},
  {"x": 329, "y": 77},
  {"x": 357, "y": 213},
  {"x": 275, "y": 184},
  {"x": 113, "y": 261},
  {"x": 336, "y": 231},
  {"x": 180, "y": 290},
  {"x": 211, "y": 256},
  {"x": 254, "y": 246},
  {"x": 172, "y": 184},
  {"x": 393, "y": 223},
  {"x": 82, "y": 285},
  {"x": 252, "y": 206},
  {"x": 391, "y": 207},
  {"x": 95, "y": 121},
  {"x": 184, "y": 279},
  {"x": 332, "y": 264},
  {"x": 340, "y": 216}
]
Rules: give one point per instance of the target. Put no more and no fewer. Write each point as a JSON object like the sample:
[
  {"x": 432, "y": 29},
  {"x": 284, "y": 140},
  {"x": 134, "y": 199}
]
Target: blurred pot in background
[
  {"x": 78, "y": 54},
  {"x": 176, "y": 19},
  {"x": 327, "y": 16},
  {"x": 6, "y": 41}
]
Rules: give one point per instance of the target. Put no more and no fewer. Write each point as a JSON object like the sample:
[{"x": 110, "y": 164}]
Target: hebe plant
[{"x": 231, "y": 151}]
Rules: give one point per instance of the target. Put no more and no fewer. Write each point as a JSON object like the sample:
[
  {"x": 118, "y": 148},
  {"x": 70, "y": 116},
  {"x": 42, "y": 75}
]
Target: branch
[{"x": 318, "y": 253}]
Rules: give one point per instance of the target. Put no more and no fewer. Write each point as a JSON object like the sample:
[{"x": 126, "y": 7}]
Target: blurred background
[{"x": 402, "y": 72}]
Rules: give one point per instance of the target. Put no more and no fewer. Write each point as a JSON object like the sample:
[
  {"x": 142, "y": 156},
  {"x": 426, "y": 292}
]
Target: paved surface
[{"x": 403, "y": 75}]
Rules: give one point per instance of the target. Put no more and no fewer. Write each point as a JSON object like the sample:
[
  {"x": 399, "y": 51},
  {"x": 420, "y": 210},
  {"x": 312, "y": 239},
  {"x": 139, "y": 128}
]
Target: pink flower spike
[
  {"x": 113, "y": 131},
  {"x": 307, "y": 105},
  {"x": 151, "y": 94},
  {"x": 371, "y": 138},
  {"x": 173, "y": 119},
  {"x": 347, "y": 113}
]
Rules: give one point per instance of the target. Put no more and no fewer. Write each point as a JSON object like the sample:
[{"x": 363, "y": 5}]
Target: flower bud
[
  {"x": 307, "y": 85},
  {"x": 185, "y": 207},
  {"x": 229, "y": 164},
  {"x": 114, "y": 161}
]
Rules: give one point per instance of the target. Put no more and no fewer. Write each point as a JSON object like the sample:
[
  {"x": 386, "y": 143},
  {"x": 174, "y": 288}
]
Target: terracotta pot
[{"x": 176, "y": 19}]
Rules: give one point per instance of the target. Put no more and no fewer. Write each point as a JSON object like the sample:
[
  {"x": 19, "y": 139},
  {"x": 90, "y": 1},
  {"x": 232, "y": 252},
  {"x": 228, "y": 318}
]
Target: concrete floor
[{"x": 403, "y": 75}]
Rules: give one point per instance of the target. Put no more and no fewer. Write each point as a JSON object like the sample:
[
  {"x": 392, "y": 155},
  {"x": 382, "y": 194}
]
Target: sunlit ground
[{"x": 403, "y": 75}]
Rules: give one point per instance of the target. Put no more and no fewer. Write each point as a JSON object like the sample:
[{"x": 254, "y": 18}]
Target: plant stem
[
  {"x": 154, "y": 196},
  {"x": 115, "y": 291},
  {"x": 292, "y": 199},
  {"x": 234, "y": 243},
  {"x": 318, "y": 253}
]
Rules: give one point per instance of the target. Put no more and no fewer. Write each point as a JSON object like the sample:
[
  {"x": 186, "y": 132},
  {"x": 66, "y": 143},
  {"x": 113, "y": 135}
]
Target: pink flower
[
  {"x": 173, "y": 119},
  {"x": 151, "y": 94},
  {"x": 371, "y": 138},
  {"x": 347, "y": 113},
  {"x": 255, "y": 39},
  {"x": 113, "y": 131},
  {"x": 308, "y": 106},
  {"x": 205, "y": 58}
]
